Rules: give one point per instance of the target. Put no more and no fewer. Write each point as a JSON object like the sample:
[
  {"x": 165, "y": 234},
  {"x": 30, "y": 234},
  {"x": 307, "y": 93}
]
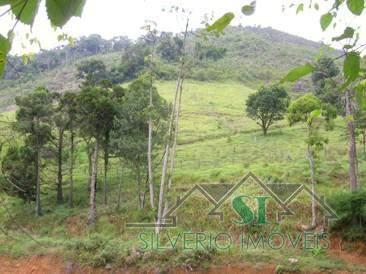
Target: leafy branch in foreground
[{"x": 25, "y": 11}]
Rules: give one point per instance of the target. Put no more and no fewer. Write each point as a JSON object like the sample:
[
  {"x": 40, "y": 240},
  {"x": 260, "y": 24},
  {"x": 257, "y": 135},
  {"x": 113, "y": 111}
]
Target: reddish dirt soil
[
  {"x": 356, "y": 256},
  {"x": 52, "y": 264}
]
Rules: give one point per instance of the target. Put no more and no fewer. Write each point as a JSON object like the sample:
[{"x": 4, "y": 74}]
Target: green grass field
[{"x": 217, "y": 143}]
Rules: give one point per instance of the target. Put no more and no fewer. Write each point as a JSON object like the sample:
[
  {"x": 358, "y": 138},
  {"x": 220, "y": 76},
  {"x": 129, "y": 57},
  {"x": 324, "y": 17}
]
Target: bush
[{"x": 351, "y": 211}]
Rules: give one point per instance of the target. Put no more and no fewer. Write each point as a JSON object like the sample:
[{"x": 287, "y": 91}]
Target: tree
[
  {"x": 326, "y": 86},
  {"x": 172, "y": 135},
  {"x": 169, "y": 46},
  {"x": 130, "y": 133},
  {"x": 88, "y": 102},
  {"x": 132, "y": 63},
  {"x": 34, "y": 118},
  {"x": 69, "y": 105},
  {"x": 93, "y": 73},
  {"x": 61, "y": 121},
  {"x": 109, "y": 106},
  {"x": 352, "y": 150},
  {"x": 95, "y": 117},
  {"x": 202, "y": 51},
  {"x": 151, "y": 37},
  {"x": 308, "y": 109},
  {"x": 267, "y": 105}
]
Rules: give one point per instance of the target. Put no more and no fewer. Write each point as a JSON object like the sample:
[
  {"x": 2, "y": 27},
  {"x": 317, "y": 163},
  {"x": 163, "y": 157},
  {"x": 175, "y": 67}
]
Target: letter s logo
[{"x": 245, "y": 213}]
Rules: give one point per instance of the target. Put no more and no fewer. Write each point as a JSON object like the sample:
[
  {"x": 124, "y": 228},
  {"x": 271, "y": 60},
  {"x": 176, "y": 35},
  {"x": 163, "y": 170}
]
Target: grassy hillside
[
  {"x": 217, "y": 143},
  {"x": 254, "y": 56}
]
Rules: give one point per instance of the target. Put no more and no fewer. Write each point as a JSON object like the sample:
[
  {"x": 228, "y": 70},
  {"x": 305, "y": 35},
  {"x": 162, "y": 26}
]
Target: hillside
[
  {"x": 217, "y": 143},
  {"x": 252, "y": 56}
]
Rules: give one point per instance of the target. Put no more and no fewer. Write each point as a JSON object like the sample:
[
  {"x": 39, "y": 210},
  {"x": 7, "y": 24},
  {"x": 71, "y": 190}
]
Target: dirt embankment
[{"x": 52, "y": 264}]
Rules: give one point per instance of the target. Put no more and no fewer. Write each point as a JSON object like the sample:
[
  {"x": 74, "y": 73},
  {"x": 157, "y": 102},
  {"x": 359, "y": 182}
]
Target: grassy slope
[
  {"x": 278, "y": 53},
  {"x": 217, "y": 144}
]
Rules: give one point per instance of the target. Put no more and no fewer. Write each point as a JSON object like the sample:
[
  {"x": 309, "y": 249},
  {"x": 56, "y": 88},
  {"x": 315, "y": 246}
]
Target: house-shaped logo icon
[{"x": 282, "y": 194}]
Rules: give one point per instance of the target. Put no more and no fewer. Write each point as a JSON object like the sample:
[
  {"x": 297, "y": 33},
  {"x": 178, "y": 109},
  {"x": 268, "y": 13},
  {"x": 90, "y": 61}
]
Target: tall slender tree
[
  {"x": 68, "y": 103},
  {"x": 163, "y": 204},
  {"x": 34, "y": 119},
  {"x": 308, "y": 109}
]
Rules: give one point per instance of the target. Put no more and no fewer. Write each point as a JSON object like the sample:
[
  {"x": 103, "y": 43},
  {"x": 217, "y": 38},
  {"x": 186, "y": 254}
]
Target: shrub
[{"x": 351, "y": 211}]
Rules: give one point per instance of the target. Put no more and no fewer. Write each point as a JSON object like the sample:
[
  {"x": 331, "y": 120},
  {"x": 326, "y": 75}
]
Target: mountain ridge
[{"x": 253, "y": 56}]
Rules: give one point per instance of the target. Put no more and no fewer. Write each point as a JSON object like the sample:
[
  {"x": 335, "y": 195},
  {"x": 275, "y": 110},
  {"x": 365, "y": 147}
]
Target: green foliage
[
  {"x": 60, "y": 11},
  {"x": 351, "y": 66},
  {"x": 351, "y": 211},
  {"x": 267, "y": 106},
  {"x": 301, "y": 109},
  {"x": 325, "y": 86},
  {"x": 356, "y": 6},
  {"x": 200, "y": 144},
  {"x": 249, "y": 9},
  {"x": 300, "y": 8},
  {"x": 4, "y": 49},
  {"x": 326, "y": 20},
  {"x": 17, "y": 165},
  {"x": 298, "y": 73},
  {"x": 220, "y": 24},
  {"x": 220, "y": 57},
  {"x": 325, "y": 68},
  {"x": 132, "y": 64},
  {"x": 25, "y": 11},
  {"x": 129, "y": 137},
  {"x": 204, "y": 51},
  {"x": 96, "y": 112},
  {"x": 347, "y": 34},
  {"x": 34, "y": 116},
  {"x": 93, "y": 73},
  {"x": 170, "y": 47}
]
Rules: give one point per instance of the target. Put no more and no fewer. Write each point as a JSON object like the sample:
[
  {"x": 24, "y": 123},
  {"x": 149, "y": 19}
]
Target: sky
[{"x": 111, "y": 18}]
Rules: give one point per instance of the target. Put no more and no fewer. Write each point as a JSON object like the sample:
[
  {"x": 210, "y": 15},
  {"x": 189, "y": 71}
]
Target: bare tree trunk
[
  {"x": 313, "y": 184},
  {"x": 90, "y": 152},
  {"x": 364, "y": 141},
  {"x": 38, "y": 180},
  {"x": 105, "y": 188},
  {"x": 174, "y": 149},
  {"x": 162, "y": 188},
  {"x": 59, "y": 196},
  {"x": 138, "y": 178},
  {"x": 149, "y": 163},
  {"x": 352, "y": 152},
  {"x": 71, "y": 194},
  {"x": 119, "y": 190},
  {"x": 170, "y": 132},
  {"x": 149, "y": 144},
  {"x": 92, "y": 203}
]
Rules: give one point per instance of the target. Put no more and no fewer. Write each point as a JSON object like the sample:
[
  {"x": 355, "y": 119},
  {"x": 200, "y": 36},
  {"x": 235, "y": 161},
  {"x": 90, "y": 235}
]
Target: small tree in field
[
  {"x": 267, "y": 105},
  {"x": 308, "y": 109}
]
